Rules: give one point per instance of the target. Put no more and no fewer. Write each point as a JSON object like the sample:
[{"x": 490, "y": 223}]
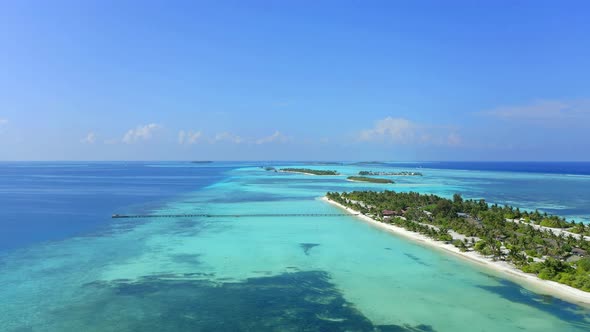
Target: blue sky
[{"x": 294, "y": 80}]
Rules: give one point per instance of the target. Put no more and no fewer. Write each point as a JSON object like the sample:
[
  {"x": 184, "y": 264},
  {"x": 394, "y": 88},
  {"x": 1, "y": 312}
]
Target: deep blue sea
[
  {"x": 65, "y": 265},
  {"x": 44, "y": 201}
]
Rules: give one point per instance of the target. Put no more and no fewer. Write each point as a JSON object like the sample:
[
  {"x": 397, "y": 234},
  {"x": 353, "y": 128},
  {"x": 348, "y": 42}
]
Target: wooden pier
[{"x": 204, "y": 215}]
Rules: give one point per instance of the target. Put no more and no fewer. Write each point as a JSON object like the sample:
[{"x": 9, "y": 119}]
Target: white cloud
[
  {"x": 396, "y": 130},
  {"x": 543, "y": 110},
  {"x": 227, "y": 137},
  {"x": 140, "y": 133},
  {"x": 454, "y": 139},
  {"x": 189, "y": 137},
  {"x": 277, "y": 137},
  {"x": 194, "y": 137},
  {"x": 405, "y": 132},
  {"x": 89, "y": 139}
]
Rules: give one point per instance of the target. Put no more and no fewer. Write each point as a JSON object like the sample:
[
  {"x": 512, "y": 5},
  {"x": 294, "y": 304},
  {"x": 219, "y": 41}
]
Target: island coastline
[
  {"x": 308, "y": 171},
  {"x": 530, "y": 281},
  {"x": 366, "y": 179},
  {"x": 294, "y": 172}
]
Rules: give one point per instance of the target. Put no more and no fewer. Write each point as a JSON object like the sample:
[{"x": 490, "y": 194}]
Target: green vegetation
[
  {"x": 368, "y": 179},
  {"x": 554, "y": 222},
  {"x": 500, "y": 232},
  {"x": 390, "y": 173},
  {"x": 309, "y": 171}
]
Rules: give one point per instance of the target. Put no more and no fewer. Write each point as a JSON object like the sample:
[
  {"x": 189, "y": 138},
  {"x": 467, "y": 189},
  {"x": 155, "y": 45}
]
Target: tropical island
[
  {"x": 404, "y": 173},
  {"x": 309, "y": 171},
  {"x": 368, "y": 179},
  {"x": 502, "y": 237}
]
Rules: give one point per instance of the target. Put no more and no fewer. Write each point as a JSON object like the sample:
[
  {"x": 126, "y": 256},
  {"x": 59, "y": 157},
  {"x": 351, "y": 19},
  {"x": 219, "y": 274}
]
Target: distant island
[
  {"x": 201, "y": 162},
  {"x": 369, "y": 163},
  {"x": 390, "y": 173},
  {"x": 309, "y": 171},
  {"x": 368, "y": 179},
  {"x": 502, "y": 237}
]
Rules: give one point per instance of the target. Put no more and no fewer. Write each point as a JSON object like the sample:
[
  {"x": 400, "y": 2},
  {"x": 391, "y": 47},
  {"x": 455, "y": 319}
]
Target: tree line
[{"x": 486, "y": 228}]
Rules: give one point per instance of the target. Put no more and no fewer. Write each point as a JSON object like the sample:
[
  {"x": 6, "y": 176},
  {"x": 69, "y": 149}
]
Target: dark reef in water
[
  {"x": 301, "y": 301},
  {"x": 191, "y": 259},
  {"x": 307, "y": 247},
  {"x": 416, "y": 259},
  {"x": 563, "y": 310}
]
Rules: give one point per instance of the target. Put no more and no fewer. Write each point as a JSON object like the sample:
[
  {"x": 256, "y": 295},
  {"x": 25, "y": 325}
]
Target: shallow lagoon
[{"x": 268, "y": 273}]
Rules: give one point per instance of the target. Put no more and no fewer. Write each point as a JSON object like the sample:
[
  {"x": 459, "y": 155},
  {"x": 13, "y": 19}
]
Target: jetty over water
[{"x": 307, "y": 215}]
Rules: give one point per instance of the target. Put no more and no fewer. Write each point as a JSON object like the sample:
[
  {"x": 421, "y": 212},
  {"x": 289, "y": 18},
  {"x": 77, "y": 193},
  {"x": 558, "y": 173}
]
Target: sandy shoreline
[
  {"x": 349, "y": 180},
  {"x": 294, "y": 172},
  {"x": 502, "y": 268}
]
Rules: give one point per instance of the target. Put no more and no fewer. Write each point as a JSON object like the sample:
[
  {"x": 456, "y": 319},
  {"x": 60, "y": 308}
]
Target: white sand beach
[
  {"x": 295, "y": 172},
  {"x": 500, "y": 268}
]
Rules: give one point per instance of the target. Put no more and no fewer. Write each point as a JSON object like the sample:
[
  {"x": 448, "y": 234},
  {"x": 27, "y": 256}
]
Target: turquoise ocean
[{"x": 65, "y": 265}]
